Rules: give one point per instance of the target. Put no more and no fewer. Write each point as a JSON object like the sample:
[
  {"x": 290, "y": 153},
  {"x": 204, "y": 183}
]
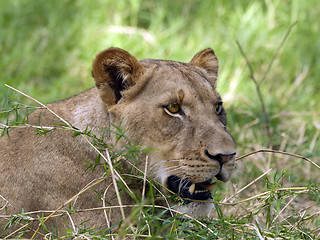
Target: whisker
[
  {"x": 183, "y": 183},
  {"x": 165, "y": 161},
  {"x": 172, "y": 170},
  {"x": 173, "y": 167}
]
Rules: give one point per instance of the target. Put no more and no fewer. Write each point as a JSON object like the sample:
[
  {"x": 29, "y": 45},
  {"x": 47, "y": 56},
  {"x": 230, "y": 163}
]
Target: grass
[{"x": 47, "y": 50}]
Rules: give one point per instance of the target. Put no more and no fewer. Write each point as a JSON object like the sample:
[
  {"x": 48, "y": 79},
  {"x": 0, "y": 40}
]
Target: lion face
[{"x": 175, "y": 108}]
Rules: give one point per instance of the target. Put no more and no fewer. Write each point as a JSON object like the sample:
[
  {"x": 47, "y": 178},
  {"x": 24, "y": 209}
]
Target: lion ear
[
  {"x": 115, "y": 70},
  {"x": 207, "y": 60}
]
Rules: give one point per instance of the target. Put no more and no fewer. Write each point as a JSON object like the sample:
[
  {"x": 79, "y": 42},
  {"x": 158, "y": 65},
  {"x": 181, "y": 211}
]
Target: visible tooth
[
  {"x": 210, "y": 187},
  {"x": 200, "y": 191},
  {"x": 192, "y": 188}
]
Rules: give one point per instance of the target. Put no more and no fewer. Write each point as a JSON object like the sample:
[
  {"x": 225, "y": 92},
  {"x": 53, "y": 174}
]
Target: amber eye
[
  {"x": 173, "y": 107},
  {"x": 218, "y": 107}
]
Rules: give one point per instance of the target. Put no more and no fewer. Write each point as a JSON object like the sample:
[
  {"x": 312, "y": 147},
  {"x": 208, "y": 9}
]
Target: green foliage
[{"x": 19, "y": 219}]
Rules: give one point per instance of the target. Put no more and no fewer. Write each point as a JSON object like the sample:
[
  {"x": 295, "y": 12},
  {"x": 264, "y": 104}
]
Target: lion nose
[{"x": 221, "y": 158}]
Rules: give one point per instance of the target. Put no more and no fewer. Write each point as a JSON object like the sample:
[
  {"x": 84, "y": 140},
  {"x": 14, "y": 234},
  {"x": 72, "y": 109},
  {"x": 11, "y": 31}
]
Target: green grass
[{"x": 48, "y": 46}]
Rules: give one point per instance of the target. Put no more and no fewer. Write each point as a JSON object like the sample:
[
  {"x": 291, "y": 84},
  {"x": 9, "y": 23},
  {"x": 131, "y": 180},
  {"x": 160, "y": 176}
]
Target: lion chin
[{"x": 195, "y": 209}]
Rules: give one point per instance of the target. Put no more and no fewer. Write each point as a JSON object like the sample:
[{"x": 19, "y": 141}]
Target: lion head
[{"x": 173, "y": 107}]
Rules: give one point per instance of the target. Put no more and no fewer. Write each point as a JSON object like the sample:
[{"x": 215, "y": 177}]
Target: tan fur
[{"x": 42, "y": 172}]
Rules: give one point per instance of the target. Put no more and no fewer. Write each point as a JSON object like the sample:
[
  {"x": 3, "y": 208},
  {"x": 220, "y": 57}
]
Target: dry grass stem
[
  {"x": 6, "y": 204},
  {"x": 71, "y": 221},
  {"x": 261, "y": 176},
  {"x": 314, "y": 140},
  {"x": 297, "y": 229},
  {"x": 75, "y": 200},
  {"x": 113, "y": 176},
  {"x": 104, "y": 157},
  {"x": 257, "y": 231},
  {"x": 14, "y": 232},
  {"x": 155, "y": 187},
  {"x": 27, "y": 126},
  {"x": 283, "y": 209},
  {"x": 41, "y": 104},
  {"x": 298, "y": 189},
  {"x": 148, "y": 225},
  {"x": 104, "y": 205},
  {"x": 144, "y": 178}
]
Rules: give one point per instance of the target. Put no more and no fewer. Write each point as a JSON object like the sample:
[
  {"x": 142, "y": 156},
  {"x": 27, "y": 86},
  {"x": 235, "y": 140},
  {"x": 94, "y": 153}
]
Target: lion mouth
[{"x": 190, "y": 191}]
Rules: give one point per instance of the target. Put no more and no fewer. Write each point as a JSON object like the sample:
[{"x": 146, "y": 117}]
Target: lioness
[{"x": 166, "y": 105}]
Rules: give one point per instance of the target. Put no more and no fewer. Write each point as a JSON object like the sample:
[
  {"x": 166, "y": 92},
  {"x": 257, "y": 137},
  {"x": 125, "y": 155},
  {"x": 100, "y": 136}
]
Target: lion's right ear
[
  {"x": 115, "y": 70},
  {"x": 207, "y": 60}
]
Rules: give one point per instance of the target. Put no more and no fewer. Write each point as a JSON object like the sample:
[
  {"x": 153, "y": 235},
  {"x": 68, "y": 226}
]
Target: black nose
[{"x": 221, "y": 158}]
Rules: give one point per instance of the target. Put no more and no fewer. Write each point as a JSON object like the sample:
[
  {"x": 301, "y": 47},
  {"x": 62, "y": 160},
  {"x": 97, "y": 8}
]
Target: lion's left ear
[
  {"x": 207, "y": 60},
  {"x": 115, "y": 71}
]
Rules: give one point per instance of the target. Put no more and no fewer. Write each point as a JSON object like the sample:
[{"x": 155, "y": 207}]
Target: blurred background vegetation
[{"x": 47, "y": 48}]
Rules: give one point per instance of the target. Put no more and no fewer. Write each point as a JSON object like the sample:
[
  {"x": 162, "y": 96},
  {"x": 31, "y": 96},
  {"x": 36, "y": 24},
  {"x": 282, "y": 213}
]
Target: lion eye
[
  {"x": 218, "y": 107},
  {"x": 173, "y": 108}
]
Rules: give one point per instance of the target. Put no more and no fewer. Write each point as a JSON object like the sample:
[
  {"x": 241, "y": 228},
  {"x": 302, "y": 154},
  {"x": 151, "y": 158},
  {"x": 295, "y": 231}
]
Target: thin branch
[
  {"x": 257, "y": 85},
  {"x": 277, "y": 51},
  {"x": 278, "y": 152},
  {"x": 248, "y": 63}
]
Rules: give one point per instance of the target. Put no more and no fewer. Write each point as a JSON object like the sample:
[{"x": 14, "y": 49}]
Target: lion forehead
[{"x": 168, "y": 78}]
